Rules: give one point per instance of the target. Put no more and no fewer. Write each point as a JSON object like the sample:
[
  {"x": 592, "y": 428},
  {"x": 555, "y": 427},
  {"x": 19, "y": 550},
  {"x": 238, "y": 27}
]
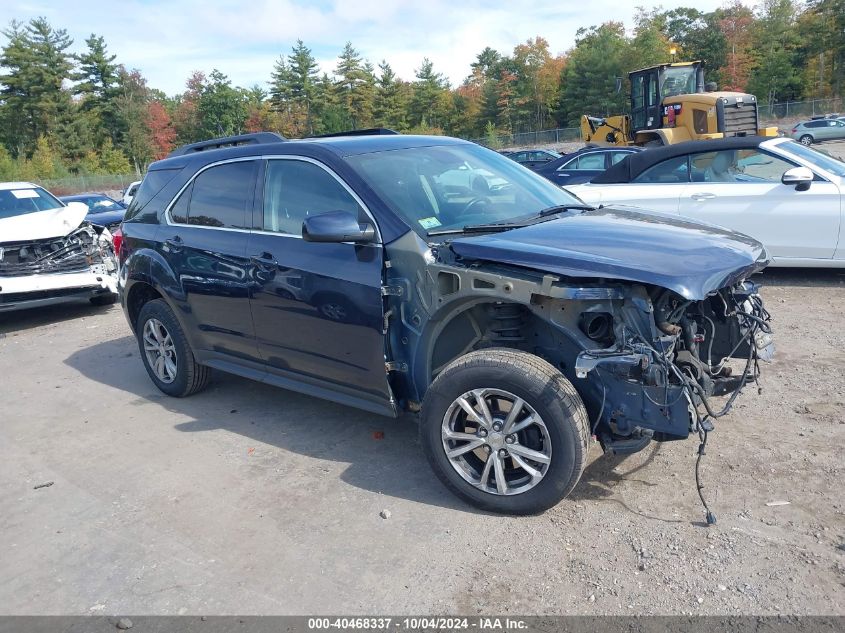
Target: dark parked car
[
  {"x": 532, "y": 158},
  {"x": 583, "y": 165},
  {"x": 516, "y": 321},
  {"x": 102, "y": 210}
]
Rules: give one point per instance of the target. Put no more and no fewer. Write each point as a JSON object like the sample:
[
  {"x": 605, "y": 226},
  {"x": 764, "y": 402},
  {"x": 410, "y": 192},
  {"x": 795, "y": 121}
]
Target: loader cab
[{"x": 649, "y": 86}]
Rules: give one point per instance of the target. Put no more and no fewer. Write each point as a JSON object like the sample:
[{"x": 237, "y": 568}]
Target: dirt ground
[
  {"x": 252, "y": 500},
  {"x": 246, "y": 499}
]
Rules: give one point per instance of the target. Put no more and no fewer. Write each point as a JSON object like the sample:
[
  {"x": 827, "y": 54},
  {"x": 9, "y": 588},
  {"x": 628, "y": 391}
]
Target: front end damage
[
  {"x": 660, "y": 358},
  {"x": 81, "y": 264},
  {"x": 647, "y": 361}
]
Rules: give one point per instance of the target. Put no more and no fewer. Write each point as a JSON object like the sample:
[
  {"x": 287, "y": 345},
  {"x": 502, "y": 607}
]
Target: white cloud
[{"x": 168, "y": 39}]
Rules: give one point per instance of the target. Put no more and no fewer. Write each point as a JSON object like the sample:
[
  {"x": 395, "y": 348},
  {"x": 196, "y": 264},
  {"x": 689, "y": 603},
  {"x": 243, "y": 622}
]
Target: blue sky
[{"x": 167, "y": 39}]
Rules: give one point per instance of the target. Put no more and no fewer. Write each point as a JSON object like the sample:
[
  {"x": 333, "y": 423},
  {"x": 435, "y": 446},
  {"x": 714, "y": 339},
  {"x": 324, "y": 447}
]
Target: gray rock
[
  {"x": 385, "y": 514},
  {"x": 124, "y": 624}
]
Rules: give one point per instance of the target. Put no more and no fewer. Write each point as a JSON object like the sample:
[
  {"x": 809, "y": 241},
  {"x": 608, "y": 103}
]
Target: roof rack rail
[
  {"x": 257, "y": 138},
  {"x": 373, "y": 131}
]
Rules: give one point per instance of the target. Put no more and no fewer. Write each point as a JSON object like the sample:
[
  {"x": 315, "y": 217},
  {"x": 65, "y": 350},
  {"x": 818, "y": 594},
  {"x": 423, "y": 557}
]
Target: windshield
[
  {"x": 451, "y": 186},
  {"x": 823, "y": 160},
  {"x": 99, "y": 204},
  {"x": 26, "y": 200},
  {"x": 679, "y": 81}
]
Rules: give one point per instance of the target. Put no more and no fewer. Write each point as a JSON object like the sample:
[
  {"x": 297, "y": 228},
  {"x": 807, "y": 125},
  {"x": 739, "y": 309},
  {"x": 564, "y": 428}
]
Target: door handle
[
  {"x": 702, "y": 196},
  {"x": 264, "y": 260},
  {"x": 174, "y": 244}
]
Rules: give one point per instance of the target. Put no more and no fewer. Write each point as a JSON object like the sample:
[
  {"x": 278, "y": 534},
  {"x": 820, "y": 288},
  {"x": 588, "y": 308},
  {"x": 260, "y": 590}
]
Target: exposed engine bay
[
  {"x": 86, "y": 247},
  {"x": 647, "y": 361},
  {"x": 79, "y": 264},
  {"x": 680, "y": 365}
]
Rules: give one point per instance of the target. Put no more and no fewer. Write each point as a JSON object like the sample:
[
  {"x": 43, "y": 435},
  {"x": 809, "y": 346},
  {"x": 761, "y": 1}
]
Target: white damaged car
[{"x": 49, "y": 253}]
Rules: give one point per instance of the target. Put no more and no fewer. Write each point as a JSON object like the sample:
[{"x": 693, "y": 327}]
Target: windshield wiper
[
  {"x": 481, "y": 228},
  {"x": 560, "y": 208},
  {"x": 496, "y": 227}
]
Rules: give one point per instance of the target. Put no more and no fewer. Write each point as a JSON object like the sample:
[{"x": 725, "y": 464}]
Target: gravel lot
[
  {"x": 250, "y": 499},
  {"x": 253, "y": 500}
]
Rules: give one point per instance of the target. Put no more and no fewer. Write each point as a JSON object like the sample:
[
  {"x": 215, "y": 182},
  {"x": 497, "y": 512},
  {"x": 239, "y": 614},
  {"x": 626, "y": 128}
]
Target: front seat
[{"x": 719, "y": 169}]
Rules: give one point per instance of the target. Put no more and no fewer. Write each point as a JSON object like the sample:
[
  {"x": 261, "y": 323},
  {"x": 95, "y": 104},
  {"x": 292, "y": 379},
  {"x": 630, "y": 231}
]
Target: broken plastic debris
[
  {"x": 777, "y": 503},
  {"x": 44, "y": 485}
]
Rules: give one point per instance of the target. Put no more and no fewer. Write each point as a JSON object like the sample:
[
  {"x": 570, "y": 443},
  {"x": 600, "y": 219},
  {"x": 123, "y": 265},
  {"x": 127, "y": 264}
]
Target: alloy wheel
[
  {"x": 496, "y": 441},
  {"x": 160, "y": 350}
]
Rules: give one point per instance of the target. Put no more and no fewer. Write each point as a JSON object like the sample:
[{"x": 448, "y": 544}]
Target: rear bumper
[{"x": 32, "y": 291}]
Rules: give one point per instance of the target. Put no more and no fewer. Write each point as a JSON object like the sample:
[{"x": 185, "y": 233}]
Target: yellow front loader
[{"x": 669, "y": 104}]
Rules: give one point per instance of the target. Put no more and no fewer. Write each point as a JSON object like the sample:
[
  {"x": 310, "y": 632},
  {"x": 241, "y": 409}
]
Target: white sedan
[
  {"x": 788, "y": 196},
  {"x": 49, "y": 253}
]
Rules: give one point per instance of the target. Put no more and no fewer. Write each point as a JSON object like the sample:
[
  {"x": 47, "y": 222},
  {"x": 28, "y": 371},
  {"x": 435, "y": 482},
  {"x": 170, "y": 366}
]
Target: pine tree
[
  {"x": 132, "y": 108},
  {"x": 355, "y": 87},
  {"x": 36, "y": 64},
  {"x": 426, "y": 107},
  {"x": 281, "y": 80},
  {"x": 389, "y": 105},
  {"x": 98, "y": 77},
  {"x": 302, "y": 74}
]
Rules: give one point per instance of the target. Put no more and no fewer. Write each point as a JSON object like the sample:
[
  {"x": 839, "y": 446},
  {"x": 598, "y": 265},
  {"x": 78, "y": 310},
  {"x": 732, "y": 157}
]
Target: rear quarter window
[
  {"x": 672, "y": 170},
  {"x": 152, "y": 184}
]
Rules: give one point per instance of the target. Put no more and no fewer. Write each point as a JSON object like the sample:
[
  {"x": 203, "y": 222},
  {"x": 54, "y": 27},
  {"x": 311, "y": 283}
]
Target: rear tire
[
  {"x": 806, "y": 140},
  {"x": 165, "y": 352},
  {"x": 535, "y": 465}
]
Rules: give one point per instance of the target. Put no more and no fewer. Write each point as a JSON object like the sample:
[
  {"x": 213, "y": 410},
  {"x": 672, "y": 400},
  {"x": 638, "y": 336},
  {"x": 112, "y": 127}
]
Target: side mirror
[
  {"x": 337, "y": 226},
  {"x": 800, "y": 177}
]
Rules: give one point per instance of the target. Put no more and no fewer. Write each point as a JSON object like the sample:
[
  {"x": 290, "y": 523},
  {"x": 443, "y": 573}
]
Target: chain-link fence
[
  {"x": 531, "y": 139},
  {"x": 799, "y": 109},
  {"x": 81, "y": 184}
]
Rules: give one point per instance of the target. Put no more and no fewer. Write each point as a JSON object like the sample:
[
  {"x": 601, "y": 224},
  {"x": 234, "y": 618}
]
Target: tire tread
[
  {"x": 541, "y": 372},
  {"x": 196, "y": 375}
]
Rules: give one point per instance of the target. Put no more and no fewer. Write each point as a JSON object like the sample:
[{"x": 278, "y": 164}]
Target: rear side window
[
  {"x": 220, "y": 196},
  {"x": 591, "y": 161},
  {"x": 816, "y": 124},
  {"x": 153, "y": 182},
  {"x": 615, "y": 157},
  {"x": 671, "y": 170}
]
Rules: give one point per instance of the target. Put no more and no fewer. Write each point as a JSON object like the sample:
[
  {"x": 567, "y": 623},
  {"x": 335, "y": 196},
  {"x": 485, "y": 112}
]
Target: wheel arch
[
  {"x": 471, "y": 323},
  {"x": 149, "y": 277}
]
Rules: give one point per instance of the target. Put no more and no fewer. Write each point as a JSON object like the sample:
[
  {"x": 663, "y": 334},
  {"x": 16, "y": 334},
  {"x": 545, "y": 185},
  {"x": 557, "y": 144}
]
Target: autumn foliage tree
[
  {"x": 162, "y": 134},
  {"x": 83, "y": 113}
]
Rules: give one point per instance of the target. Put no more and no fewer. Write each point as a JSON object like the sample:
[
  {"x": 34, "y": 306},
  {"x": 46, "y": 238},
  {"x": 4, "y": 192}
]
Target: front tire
[
  {"x": 165, "y": 352},
  {"x": 806, "y": 140},
  {"x": 505, "y": 431}
]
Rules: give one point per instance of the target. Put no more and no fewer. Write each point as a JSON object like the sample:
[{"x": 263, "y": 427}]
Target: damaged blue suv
[{"x": 427, "y": 274}]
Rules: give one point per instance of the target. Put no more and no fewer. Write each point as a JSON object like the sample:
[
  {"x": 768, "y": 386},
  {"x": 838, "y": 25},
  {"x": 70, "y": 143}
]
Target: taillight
[
  {"x": 794, "y": 130},
  {"x": 117, "y": 242}
]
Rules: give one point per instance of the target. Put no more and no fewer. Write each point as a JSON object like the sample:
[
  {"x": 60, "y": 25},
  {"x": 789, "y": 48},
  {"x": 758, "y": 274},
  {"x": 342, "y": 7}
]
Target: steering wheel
[{"x": 473, "y": 204}]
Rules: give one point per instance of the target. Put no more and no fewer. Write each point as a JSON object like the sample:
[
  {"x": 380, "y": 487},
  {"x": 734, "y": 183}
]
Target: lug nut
[
  {"x": 503, "y": 452},
  {"x": 486, "y": 448},
  {"x": 482, "y": 432},
  {"x": 497, "y": 427},
  {"x": 510, "y": 439}
]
